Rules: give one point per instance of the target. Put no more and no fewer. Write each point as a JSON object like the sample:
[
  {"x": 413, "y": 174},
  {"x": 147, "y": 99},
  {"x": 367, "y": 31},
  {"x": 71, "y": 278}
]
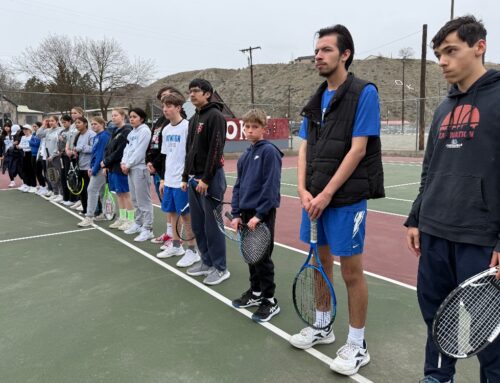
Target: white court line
[
  {"x": 46, "y": 235},
  {"x": 398, "y": 199},
  {"x": 274, "y": 329},
  {"x": 400, "y": 185}
]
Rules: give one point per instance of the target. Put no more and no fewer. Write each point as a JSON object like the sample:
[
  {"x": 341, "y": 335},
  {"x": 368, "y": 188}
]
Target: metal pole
[
  {"x": 403, "y": 101},
  {"x": 249, "y": 50},
  {"x": 423, "y": 64},
  {"x": 452, "y": 9}
]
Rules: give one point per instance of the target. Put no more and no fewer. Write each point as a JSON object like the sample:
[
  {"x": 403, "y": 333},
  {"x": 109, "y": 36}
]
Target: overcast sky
[{"x": 186, "y": 34}]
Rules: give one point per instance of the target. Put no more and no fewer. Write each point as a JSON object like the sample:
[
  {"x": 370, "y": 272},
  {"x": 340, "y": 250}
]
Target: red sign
[{"x": 277, "y": 129}]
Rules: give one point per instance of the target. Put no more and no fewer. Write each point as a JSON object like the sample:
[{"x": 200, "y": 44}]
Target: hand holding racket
[
  {"x": 468, "y": 320},
  {"x": 313, "y": 295}
]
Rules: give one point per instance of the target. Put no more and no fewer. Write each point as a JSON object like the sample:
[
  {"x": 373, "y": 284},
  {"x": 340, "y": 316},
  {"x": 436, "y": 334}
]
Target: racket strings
[
  {"x": 221, "y": 211},
  {"x": 184, "y": 227},
  {"x": 255, "y": 243},
  {"x": 313, "y": 297},
  {"x": 471, "y": 317}
]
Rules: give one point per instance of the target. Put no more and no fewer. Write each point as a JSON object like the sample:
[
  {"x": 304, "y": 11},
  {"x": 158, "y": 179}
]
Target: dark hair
[
  {"x": 173, "y": 99},
  {"x": 7, "y": 123},
  {"x": 171, "y": 89},
  {"x": 468, "y": 29},
  {"x": 38, "y": 123},
  {"x": 141, "y": 113},
  {"x": 67, "y": 118},
  {"x": 203, "y": 84},
  {"x": 83, "y": 119},
  {"x": 344, "y": 40}
]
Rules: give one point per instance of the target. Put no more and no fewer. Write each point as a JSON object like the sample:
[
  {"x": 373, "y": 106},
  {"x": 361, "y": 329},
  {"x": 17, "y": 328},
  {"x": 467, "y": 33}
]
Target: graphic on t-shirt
[{"x": 459, "y": 126}]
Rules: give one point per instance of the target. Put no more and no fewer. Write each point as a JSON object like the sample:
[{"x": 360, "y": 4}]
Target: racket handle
[
  {"x": 229, "y": 216},
  {"x": 314, "y": 231}
]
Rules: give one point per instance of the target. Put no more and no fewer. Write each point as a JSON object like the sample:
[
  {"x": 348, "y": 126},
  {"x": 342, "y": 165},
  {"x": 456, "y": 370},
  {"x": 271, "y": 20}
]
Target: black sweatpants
[
  {"x": 83, "y": 195},
  {"x": 38, "y": 167},
  {"x": 262, "y": 273},
  {"x": 29, "y": 177},
  {"x": 442, "y": 266}
]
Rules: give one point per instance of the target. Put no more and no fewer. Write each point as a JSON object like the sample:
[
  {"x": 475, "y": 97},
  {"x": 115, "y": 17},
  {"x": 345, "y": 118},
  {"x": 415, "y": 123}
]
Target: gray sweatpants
[
  {"x": 94, "y": 191},
  {"x": 139, "y": 183}
]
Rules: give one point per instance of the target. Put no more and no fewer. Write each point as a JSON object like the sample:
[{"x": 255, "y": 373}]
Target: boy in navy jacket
[{"x": 256, "y": 195}]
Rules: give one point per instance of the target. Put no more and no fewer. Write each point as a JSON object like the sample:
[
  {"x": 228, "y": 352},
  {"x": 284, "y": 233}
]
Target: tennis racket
[
  {"x": 53, "y": 174},
  {"x": 468, "y": 320},
  {"x": 254, "y": 244},
  {"x": 313, "y": 295},
  {"x": 183, "y": 225},
  {"x": 74, "y": 181},
  {"x": 109, "y": 204}
]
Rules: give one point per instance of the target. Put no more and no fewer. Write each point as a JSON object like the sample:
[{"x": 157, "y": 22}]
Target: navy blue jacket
[{"x": 259, "y": 177}]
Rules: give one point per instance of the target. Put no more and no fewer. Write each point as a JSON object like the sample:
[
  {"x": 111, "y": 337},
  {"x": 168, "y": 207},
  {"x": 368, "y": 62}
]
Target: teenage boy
[
  {"x": 454, "y": 223},
  {"x": 204, "y": 170},
  {"x": 174, "y": 199},
  {"x": 339, "y": 168},
  {"x": 256, "y": 195}
]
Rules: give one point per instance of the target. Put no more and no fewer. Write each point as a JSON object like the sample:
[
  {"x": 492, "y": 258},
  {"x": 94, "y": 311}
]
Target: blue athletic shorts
[
  {"x": 342, "y": 229},
  {"x": 174, "y": 200},
  {"x": 118, "y": 182}
]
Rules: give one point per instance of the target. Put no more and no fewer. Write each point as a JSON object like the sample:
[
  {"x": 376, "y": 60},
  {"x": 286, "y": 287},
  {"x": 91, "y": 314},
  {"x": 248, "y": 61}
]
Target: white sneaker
[
  {"x": 58, "y": 198},
  {"x": 166, "y": 245},
  {"x": 126, "y": 225},
  {"x": 76, "y": 205},
  {"x": 134, "y": 228},
  {"x": 43, "y": 192},
  {"x": 48, "y": 194},
  {"x": 12, "y": 184},
  {"x": 24, "y": 188},
  {"x": 87, "y": 221},
  {"x": 101, "y": 217},
  {"x": 53, "y": 197},
  {"x": 68, "y": 203},
  {"x": 190, "y": 258},
  {"x": 117, "y": 223},
  {"x": 144, "y": 235},
  {"x": 32, "y": 190},
  {"x": 171, "y": 252},
  {"x": 350, "y": 358},
  {"x": 308, "y": 337}
]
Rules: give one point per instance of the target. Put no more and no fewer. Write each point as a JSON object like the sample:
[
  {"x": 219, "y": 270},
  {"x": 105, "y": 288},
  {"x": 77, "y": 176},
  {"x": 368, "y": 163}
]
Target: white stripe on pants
[
  {"x": 139, "y": 183},
  {"x": 94, "y": 191}
]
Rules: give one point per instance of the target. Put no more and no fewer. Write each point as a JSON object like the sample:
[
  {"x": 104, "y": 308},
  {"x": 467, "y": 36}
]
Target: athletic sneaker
[
  {"x": 171, "y": 252},
  {"x": 87, "y": 221},
  {"x": 189, "y": 258},
  {"x": 126, "y": 225},
  {"x": 266, "y": 310},
  {"x": 101, "y": 217},
  {"x": 76, "y": 205},
  {"x": 247, "y": 299},
  {"x": 58, "y": 198},
  {"x": 43, "y": 192},
  {"x": 117, "y": 223},
  {"x": 308, "y": 337},
  {"x": 24, "y": 188},
  {"x": 168, "y": 244},
  {"x": 431, "y": 379},
  {"x": 161, "y": 239},
  {"x": 12, "y": 184},
  {"x": 32, "y": 190},
  {"x": 216, "y": 277},
  {"x": 199, "y": 269},
  {"x": 144, "y": 235},
  {"x": 79, "y": 208},
  {"x": 53, "y": 197},
  {"x": 350, "y": 358},
  {"x": 68, "y": 203},
  {"x": 134, "y": 228}
]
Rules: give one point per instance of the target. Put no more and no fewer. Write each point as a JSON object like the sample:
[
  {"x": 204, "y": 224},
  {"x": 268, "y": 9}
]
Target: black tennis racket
[
  {"x": 313, "y": 295},
  {"x": 254, "y": 244},
  {"x": 183, "y": 225},
  {"x": 468, "y": 320},
  {"x": 74, "y": 181},
  {"x": 53, "y": 174}
]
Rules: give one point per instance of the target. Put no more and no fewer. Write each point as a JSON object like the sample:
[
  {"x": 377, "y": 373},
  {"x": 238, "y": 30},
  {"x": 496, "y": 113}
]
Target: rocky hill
[{"x": 278, "y": 87}]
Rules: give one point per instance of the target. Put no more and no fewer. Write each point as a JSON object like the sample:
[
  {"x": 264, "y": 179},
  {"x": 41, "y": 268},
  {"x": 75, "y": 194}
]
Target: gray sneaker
[
  {"x": 216, "y": 277},
  {"x": 198, "y": 269}
]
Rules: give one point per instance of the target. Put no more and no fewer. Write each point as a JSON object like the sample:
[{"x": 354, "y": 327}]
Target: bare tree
[
  {"x": 406, "y": 53},
  {"x": 7, "y": 79},
  {"x": 110, "y": 69}
]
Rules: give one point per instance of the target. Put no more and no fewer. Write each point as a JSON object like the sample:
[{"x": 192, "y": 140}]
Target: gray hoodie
[
  {"x": 52, "y": 140},
  {"x": 134, "y": 155},
  {"x": 84, "y": 149}
]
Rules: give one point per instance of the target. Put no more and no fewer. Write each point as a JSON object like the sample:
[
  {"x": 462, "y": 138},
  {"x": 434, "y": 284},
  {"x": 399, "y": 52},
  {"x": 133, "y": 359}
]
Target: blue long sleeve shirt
[
  {"x": 100, "y": 141},
  {"x": 259, "y": 177}
]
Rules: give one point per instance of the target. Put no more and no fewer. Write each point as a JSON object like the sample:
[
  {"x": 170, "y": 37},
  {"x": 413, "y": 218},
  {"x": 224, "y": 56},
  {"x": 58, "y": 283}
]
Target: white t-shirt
[{"x": 174, "y": 148}]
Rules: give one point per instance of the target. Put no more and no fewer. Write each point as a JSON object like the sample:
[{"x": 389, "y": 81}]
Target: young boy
[
  {"x": 174, "y": 199},
  {"x": 256, "y": 195}
]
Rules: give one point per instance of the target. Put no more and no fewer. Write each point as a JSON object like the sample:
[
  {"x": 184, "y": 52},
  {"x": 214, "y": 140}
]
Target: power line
[{"x": 250, "y": 49}]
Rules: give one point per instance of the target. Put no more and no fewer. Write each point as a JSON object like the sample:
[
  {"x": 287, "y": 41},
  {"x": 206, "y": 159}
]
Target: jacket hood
[
  {"x": 210, "y": 105},
  {"x": 490, "y": 77},
  {"x": 261, "y": 143}
]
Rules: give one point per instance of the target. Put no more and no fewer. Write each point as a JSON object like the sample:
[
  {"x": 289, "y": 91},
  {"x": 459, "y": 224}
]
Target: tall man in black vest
[{"x": 339, "y": 168}]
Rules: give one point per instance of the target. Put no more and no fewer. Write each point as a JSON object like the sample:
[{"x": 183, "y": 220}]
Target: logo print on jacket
[
  {"x": 200, "y": 128},
  {"x": 462, "y": 125}
]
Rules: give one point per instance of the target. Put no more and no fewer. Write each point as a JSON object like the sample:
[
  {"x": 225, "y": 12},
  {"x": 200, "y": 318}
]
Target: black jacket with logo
[
  {"x": 113, "y": 152},
  {"x": 459, "y": 195},
  {"x": 205, "y": 143}
]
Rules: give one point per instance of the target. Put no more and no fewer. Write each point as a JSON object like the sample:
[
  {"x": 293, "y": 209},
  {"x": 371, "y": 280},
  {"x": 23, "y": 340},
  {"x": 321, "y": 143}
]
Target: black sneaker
[
  {"x": 246, "y": 300},
  {"x": 266, "y": 310}
]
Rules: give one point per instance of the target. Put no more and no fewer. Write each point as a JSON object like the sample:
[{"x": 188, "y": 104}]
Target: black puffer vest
[{"x": 327, "y": 146}]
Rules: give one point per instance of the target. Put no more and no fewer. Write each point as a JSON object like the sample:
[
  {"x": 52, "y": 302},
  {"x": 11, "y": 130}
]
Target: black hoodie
[
  {"x": 205, "y": 143},
  {"x": 459, "y": 195}
]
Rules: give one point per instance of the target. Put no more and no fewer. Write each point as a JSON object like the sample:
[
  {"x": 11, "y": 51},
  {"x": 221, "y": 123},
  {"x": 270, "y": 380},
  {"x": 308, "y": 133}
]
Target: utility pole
[
  {"x": 403, "y": 99},
  {"x": 249, "y": 50},
  {"x": 423, "y": 64}
]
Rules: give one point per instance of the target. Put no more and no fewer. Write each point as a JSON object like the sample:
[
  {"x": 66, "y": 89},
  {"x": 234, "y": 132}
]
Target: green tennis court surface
[{"x": 87, "y": 306}]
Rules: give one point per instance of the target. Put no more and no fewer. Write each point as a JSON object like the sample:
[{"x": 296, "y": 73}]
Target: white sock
[
  {"x": 356, "y": 336},
  {"x": 257, "y": 293},
  {"x": 169, "y": 229},
  {"x": 271, "y": 300},
  {"x": 322, "y": 318}
]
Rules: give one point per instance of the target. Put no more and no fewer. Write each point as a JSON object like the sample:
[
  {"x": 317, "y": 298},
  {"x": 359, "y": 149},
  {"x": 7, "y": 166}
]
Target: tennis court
[{"x": 90, "y": 305}]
